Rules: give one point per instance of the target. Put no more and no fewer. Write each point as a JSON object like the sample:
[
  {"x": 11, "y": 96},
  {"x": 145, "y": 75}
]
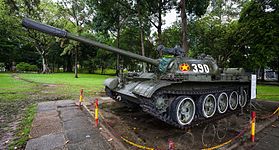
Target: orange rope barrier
[{"x": 149, "y": 148}]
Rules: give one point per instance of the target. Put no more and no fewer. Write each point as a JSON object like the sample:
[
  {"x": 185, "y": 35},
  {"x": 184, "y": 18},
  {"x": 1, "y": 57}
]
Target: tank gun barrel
[{"x": 31, "y": 24}]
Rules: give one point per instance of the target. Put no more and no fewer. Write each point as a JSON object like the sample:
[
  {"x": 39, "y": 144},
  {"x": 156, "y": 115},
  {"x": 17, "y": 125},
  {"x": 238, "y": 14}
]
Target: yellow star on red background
[{"x": 184, "y": 67}]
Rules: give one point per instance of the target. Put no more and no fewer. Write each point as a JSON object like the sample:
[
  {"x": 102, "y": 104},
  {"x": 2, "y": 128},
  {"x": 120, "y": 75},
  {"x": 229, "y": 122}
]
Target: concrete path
[
  {"x": 62, "y": 125},
  {"x": 268, "y": 139}
]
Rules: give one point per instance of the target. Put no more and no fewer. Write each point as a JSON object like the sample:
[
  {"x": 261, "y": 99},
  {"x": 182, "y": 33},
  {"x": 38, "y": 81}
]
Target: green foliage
[
  {"x": 155, "y": 11},
  {"x": 111, "y": 16},
  {"x": 197, "y": 7},
  {"x": 79, "y": 12},
  {"x": 250, "y": 42},
  {"x": 258, "y": 27},
  {"x": 10, "y": 39},
  {"x": 226, "y": 11},
  {"x": 171, "y": 36},
  {"x": 44, "y": 11},
  {"x": 208, "y": 35},
  {"x": 26, "y": 67}
]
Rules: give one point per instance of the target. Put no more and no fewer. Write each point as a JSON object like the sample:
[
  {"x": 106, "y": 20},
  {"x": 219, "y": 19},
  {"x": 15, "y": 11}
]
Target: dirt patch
[
  {"x": 50, "y": 85},
  {"x": 8, "y": 133},
  {"x": 143, "y": 129}
]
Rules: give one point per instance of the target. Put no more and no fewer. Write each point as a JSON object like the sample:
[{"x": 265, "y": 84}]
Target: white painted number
[
  {"x": 206, "y": 69},
  {"x": 200, "y": 68},
  {"x": 195, "y": 68}
]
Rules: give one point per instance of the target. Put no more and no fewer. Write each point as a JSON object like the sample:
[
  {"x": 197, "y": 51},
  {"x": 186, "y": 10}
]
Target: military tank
[{"x": 182, "y": 91}]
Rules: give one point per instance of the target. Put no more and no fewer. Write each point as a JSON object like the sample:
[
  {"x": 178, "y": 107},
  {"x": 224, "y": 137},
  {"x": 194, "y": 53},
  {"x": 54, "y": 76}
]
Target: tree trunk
[
  {"x": 117, "y": 56},
  {"x": 69, "y": 66},
  {"x": 184, "y": 27},
  {"x": 262, "y": 78},
  {"x": 53, "y": 67},
  {"x": 142, "y": 48},
  {"x": 159, "y": 29},
  {"x": 76, "y": 57},
  {"x": 44, "y": 63},
  {"x": 141, "y": 37},
  {"x": 102, "y": 68},
  {"x": 277, "y": 68},
  {"x": 42, "y": 53}
]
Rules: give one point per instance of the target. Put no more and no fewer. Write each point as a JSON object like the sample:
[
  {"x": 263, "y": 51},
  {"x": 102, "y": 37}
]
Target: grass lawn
[
  {"x": 14, "y": 95},
  {"x": 12, "y": 89},
  {"x": 19, "y": 94},
  {"x": 268, "y": 92},
  {"x": 15, "y": 102},
  {"x": 67, "y": 86}
]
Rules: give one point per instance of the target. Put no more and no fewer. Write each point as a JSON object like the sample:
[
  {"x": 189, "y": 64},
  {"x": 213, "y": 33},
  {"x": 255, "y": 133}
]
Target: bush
[
  {"x": 26, "y": 67},
  {"x": 33, "y": 68}
]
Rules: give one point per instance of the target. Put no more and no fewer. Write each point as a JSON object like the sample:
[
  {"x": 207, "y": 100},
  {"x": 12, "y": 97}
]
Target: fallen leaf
[{"x": 66, "y": 142}]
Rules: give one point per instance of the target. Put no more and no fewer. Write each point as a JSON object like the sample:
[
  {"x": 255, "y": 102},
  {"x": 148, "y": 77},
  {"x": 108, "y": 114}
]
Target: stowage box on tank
[{"x": 182, "y": 92}]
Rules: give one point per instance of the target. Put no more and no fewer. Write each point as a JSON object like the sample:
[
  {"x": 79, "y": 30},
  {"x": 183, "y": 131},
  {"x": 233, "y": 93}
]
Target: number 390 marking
[{"x": 200, "y": 68}]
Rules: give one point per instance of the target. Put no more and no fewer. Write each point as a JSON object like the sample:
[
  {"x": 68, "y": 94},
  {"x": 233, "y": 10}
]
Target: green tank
[{"x": 182, "y": 91}]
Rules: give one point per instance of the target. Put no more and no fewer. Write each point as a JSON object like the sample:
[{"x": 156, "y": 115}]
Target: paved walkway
[
  {"x": 268, "y": 139},
  {"x": 62, "y": 125}
]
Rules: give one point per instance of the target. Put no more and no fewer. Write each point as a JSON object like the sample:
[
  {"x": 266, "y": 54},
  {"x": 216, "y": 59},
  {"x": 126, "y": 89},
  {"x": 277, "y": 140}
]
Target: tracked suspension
[{"x": 149, "y": 106}]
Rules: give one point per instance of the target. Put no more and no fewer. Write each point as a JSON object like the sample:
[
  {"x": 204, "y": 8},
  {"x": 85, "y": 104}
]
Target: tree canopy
[{"x": 236, "y": 33}]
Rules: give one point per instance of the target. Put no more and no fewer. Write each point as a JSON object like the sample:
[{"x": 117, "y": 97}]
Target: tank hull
[{"x": 160, "y": 98}]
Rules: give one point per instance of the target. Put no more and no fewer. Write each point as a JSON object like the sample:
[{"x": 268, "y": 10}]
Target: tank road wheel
[
  {"x": 243, "y": 98},
  {"x": 183, "y": 110},
  {"x": 222, "y": 103},
  {"x": 233, "y": 101},
  {"x": 208, "y": 105}
]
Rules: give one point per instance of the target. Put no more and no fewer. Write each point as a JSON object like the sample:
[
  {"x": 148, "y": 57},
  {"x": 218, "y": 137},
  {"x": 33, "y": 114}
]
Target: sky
[{"x": 170, "y": 18}]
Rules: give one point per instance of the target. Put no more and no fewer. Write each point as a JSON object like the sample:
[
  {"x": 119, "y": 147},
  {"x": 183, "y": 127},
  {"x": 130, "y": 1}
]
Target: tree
[
  {"x": 12, "y": 43},
  {"x": 170, "y": 36},
  {"x": 101, "y": 58},
  {"x": 76, "y": 12},
  {"x": 156, "y": 9},
  {"x": 111, "y": 23},
  {"x": 210, "y": 36},
  {"x": 258, "y": 29},
  {"x": 226, "y": 11},
  {"x": 46, "y": 12},
  {"x": 143, "y": 23},
  {"x": 192, "y": 8}
]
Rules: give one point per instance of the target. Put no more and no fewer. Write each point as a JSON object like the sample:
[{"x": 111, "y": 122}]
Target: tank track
[{"x": 149, "y": 107}]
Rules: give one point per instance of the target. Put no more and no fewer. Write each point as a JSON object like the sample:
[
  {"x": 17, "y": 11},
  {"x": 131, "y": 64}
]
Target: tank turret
[{"x": 182, "y": 92}]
